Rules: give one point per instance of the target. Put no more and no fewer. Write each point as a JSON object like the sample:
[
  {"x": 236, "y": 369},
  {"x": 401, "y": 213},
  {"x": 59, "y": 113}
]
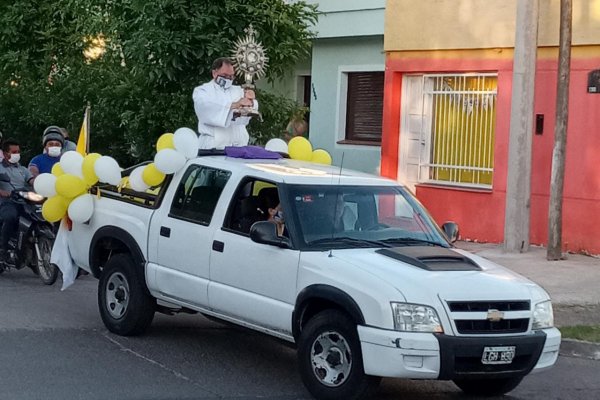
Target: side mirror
[
  {"x": 265, "y": 232},
  {"x": 4, "y": 177},
  {"x": 451, "y": 230}
]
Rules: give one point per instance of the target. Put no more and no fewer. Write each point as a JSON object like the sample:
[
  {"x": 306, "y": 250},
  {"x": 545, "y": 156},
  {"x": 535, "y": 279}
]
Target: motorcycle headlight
[
  {"x": 415, "y": 318},
  {"x": 543, "y": 316}
]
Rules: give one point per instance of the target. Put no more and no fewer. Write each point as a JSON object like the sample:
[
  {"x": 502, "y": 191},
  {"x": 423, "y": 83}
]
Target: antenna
[{"x": 336, "y": 202}]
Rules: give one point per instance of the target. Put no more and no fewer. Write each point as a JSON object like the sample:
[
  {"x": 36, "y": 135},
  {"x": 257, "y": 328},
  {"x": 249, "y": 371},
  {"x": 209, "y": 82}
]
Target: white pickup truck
[{"x": 361, "y": 280}]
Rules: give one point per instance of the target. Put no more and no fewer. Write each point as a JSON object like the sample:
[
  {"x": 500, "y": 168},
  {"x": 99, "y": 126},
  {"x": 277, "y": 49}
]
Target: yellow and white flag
[{"x": 83, "y": 140}]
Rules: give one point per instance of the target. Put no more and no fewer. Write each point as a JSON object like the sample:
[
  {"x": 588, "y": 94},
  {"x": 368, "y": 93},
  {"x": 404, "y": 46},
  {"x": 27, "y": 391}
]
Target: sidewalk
[{"x": 573, "y": 285}]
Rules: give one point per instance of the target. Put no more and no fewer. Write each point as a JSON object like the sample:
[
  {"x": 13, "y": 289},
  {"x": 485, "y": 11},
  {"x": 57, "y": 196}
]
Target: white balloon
[
  {"x": 186, "y": 142},
  {"x": 169, "y": 161},
  {"x": 71, "y": 163},
  {"x": 135, "y": 180},
  {"x": 82, "y": 208},
  {"x": 277, "y": 145},
  {"x": 45, "y": 184},
  {"x": 108, "y": 171}
]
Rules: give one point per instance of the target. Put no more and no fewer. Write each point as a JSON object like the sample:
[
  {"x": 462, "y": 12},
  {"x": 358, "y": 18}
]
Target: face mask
[
  {"x": 54, "y": 151},
  {"x": 14, "y": 158},
  {"x": 279, "y": 216},
  {"x": 223, "y": 82}
]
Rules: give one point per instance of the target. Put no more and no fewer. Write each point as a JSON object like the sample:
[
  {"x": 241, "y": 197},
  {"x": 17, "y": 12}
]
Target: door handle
[
  {"x": 164, "y": 231},
  {"x": 218, "y": 246}
]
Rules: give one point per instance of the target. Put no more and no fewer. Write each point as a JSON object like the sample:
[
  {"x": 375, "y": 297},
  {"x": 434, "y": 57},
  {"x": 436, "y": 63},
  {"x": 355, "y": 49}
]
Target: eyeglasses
[{"x": 231, "y": 77}]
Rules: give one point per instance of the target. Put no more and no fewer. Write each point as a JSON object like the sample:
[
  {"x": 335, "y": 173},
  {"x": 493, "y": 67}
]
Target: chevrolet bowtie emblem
[{"x": 495, "y": 315}]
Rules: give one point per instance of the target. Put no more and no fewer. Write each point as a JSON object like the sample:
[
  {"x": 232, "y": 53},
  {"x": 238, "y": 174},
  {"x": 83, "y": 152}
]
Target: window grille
[{"x": 463, "y": 119}]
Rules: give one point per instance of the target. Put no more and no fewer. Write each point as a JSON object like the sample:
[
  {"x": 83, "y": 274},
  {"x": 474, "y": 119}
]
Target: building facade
[{"x": 448, "y": 84}]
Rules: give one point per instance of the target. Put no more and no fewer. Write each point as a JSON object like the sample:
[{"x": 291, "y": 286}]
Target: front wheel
[
  {"x": 330, "y": 358},
  {"x": 47, "y": 271},
  {"x": 488, "y": 387},
  {"x": 125, "y": 306}
]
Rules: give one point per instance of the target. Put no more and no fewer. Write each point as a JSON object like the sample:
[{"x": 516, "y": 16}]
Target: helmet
[{"x": 53, "y": 133}]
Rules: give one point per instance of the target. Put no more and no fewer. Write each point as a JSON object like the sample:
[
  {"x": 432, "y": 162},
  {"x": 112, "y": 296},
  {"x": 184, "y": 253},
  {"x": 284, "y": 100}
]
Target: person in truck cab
[{"x": 271, "y": 208}]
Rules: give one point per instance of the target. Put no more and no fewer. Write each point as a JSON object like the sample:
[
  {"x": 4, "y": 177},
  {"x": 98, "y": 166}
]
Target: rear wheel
[
  {"x": 47, "y": 271},
  {"x": 125, "y": 306},
  {"x": 488, "y": 387},
  {"x": 330, "y": 358}
]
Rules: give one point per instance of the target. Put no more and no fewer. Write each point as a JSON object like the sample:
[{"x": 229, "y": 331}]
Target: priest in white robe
[{"x": 217, "y": 105}]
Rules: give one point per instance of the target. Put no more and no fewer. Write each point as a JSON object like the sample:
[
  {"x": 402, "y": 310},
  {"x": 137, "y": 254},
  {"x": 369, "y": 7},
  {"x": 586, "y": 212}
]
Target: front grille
[
  {"x": 484, "y": 306},
  {"x": 478, "y": 326}
]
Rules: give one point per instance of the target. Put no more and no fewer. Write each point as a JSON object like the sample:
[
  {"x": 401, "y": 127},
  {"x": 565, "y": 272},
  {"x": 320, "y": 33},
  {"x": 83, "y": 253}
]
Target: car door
[
  {"x": 252, "y": 282},
  {"x": 183, "y": 233}
]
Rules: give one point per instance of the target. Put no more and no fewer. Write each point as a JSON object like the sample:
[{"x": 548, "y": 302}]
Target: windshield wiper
[
  {"x": 412, "y": 241},
  {"x": 345, "y": 240}
]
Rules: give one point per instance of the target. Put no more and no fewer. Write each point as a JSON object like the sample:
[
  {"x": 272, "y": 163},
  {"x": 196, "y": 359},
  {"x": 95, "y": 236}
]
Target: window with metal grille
[
  {"x": 364, "y": 108},
  {"x": 463, "y": 119}
]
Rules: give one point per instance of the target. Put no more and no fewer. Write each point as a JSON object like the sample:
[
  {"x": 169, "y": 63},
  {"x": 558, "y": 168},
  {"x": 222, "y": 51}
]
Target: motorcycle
[{"x": 32, "y": 245}]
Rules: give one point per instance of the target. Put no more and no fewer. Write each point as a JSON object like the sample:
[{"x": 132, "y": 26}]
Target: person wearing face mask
[
  {"x": 217, "y": 104},
  {"x": 271, "y": 209},
  {"x": 53, "y": 142},
  {"x": 20, "y": 178}
]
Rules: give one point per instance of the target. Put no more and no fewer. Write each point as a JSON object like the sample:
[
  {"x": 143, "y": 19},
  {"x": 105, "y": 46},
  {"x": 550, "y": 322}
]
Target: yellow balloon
[
  {"x": 321, "y": 156},
  {"x": 87, "y": 168},
  {"x": 70, "y": 186},
  {"x": 165, "y": 141},
  {"x": 299, "y": 148},
  {"x": 54, "y": 208},
  {"x": 57, "y": 170},
  {"x": 152, "y": 176}
]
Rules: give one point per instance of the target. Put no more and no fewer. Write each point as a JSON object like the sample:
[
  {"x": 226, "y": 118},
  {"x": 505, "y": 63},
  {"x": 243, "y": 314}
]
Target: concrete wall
[
  {"x": 469, "y": 24},
  {"x": 348, "y": 18},
  {"x": 331, "y": 57}
]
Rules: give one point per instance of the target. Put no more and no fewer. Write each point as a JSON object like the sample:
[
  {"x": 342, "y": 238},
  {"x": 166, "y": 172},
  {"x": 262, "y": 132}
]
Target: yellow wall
[{"x": 469, "y": 24}]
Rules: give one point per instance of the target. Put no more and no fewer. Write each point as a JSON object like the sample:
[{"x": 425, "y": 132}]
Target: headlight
[
  {"x": 543, "y": 316},
  {"x": 415, "y": 318}
]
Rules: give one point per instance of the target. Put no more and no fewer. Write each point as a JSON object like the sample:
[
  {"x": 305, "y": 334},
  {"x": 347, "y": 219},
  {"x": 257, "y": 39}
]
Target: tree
[{"x": 142, "y": 61}]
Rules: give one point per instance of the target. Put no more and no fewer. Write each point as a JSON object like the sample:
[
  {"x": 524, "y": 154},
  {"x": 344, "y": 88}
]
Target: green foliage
[
  {"x": 276, "y": 113},
  {"x": 156, "y": 53},
  {"x": 589, "y": 333}
]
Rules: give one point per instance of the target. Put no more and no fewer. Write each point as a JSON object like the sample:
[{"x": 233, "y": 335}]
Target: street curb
[{"x": 580, "y": 349}]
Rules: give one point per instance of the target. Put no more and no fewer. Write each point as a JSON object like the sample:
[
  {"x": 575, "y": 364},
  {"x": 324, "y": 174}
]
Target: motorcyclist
[
  {"x": 20, "y": 178},
  {"x": 53, "y": 142}
]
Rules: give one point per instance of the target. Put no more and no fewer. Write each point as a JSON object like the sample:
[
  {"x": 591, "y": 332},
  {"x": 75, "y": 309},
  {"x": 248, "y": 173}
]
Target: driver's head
[{"x": 12, "y": 151}]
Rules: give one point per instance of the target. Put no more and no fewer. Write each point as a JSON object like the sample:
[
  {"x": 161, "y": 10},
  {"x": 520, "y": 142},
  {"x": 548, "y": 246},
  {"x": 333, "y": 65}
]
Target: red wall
[{"x": 480, "y": 214}]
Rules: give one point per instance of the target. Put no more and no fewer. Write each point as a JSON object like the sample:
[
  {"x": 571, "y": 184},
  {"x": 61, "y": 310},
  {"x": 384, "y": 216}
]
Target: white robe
[{"x": 216, "y": 125}]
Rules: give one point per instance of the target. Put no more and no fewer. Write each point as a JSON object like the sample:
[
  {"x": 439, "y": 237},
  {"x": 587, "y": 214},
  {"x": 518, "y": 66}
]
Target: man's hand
[
  {"x": 243, "y": 102},
  {"x": 249, "y": 94}
]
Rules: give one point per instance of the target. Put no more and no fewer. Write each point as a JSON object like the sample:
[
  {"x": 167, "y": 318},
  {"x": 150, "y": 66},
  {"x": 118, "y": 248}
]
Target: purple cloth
[{"x": 250, "y": 152}]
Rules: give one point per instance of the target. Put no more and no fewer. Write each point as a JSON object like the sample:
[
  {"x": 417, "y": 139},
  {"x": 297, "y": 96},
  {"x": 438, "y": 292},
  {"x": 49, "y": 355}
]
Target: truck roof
[{"x": 295, "y": 171}]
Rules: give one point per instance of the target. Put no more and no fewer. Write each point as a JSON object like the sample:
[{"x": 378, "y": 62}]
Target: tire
[
  {"x": 339, "y": 375},
  {"x": 488, "y": 387},
  {"x": 125, "y": 306},
  {"x": 47, "y": 271}
]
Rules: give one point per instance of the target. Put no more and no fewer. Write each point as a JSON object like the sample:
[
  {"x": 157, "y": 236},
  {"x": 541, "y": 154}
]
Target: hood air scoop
[{"x": 431, "y": 258}]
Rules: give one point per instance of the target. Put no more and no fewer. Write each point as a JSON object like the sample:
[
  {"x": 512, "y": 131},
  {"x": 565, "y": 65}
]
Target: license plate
[{"x": 498, "y": 355}]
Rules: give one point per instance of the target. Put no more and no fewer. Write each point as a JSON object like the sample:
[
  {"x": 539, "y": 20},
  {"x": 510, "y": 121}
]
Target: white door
[
  {"x": 414, "y": 128},
  {"x": 183, "y": 230}
]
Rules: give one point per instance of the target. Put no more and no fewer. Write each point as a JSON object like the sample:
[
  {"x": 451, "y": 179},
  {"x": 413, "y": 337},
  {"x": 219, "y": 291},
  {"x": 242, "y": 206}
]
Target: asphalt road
[{"x": 53, "y": 346}]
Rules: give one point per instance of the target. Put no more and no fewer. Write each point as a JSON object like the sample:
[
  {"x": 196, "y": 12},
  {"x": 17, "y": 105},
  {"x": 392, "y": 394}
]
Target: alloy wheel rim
[
  {"x": 331, "y": 359},
  {"x": 117, "y": 295}
]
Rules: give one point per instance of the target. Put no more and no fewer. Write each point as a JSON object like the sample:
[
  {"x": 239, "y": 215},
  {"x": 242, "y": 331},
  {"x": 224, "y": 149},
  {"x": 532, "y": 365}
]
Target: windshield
[{"x": 360, "y": 216}]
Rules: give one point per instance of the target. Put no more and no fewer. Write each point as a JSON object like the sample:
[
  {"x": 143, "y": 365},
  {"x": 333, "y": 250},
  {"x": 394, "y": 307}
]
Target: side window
[
  {"x": 249, "y": 204},
  {"x": 198, "y": 193}
]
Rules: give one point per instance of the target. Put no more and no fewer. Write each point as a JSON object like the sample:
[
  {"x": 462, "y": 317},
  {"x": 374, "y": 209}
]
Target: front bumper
[{"x": 436, "y": 356}]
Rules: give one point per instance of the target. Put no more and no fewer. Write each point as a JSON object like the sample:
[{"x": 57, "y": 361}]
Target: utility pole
[
  {"x": 557, "y": 177},
  {"x": 518, "y": 185}
]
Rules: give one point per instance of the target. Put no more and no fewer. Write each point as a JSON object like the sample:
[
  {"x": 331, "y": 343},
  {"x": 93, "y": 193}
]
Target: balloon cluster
[
  {"x": 299, "y": 148},
  {"x": 67, "y": 186}
]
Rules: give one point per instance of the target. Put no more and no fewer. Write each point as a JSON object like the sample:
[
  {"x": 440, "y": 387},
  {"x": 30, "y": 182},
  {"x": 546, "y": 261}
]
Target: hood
[{"x": 479, "y": 279}]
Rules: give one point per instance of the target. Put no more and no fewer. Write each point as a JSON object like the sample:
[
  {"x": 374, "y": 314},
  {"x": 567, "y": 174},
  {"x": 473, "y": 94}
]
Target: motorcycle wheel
[{"x": 48, "y": 272}]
